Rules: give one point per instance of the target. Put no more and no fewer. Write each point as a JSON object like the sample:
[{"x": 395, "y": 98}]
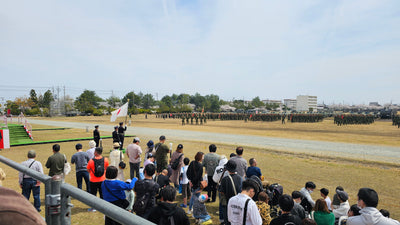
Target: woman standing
[
  {"x": 116, "y": 156},
  {"x": 321, "y": 214},
  {"x": 176, "y": 156},
  {"x": 195, "y": 176}
]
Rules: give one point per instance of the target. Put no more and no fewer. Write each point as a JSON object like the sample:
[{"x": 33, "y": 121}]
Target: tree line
[{"x": 90, "y": 103}]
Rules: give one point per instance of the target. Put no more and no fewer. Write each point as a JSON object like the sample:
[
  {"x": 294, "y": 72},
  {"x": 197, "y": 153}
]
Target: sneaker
[
  {"x": 189, "y": 212},
  {"x": 183, "y": 205},
  {"x": 91, "y": 210}
]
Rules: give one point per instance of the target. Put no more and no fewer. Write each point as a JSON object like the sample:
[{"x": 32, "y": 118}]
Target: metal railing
[{"x": 58, "y": 199}]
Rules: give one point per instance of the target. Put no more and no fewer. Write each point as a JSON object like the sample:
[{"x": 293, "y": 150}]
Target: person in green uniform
[{"x": 162, "y": 151}]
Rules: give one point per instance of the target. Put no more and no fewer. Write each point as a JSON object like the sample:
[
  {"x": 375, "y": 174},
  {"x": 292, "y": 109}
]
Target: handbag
[
  {"x": 67, "y": 166},
  {"x": 121, "y": 164},
  {"x": 123, "y": 203}
]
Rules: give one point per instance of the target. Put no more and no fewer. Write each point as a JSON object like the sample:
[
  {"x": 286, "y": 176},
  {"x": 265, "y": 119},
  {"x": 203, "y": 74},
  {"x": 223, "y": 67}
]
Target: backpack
[
  {"x": 175, "y": 163},
  {"x": 142, "y": 201},
  {"x": 98, "y": 167},
  {"x": 274, "y": 192},
  {"x": 306, "y": 205}
]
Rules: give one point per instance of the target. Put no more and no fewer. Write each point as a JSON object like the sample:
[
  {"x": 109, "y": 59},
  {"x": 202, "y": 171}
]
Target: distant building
[
  {"x": 306, "y": 102},
  {"x": 290, "y": 103},
  {"x": 270, "y": 102},
  {"x": 374, "y": 104}
]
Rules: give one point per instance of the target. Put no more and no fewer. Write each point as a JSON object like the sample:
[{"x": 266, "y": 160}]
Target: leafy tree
[
  {"x": 131, "y": 96},
  {"x": 257, "y": 103},
  {"x": 212, "y": 103},
  {"x": 198, "y": 101},
  {"x": 33, "y": 97},
  {"x": 183, "y": 99},
  {"x": 112, "y": 101},
  {"x": 137, "y": 99},
  {"x": 167, "y": 100},
  {"x": 148, "y": 101},
  {"x": 87, "y": 101},
  {"x": 45, "y": 100},
  {"x": 14, "y": 108}
]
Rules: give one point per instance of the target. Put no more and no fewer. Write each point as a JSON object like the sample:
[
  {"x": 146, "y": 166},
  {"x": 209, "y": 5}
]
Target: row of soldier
[
  {"x": 346, "y": 119},
  {"x": 396, "y": 121}
]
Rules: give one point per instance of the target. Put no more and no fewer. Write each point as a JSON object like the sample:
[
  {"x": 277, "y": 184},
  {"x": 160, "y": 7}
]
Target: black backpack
[
  {"x": 175, "y": 163},
  {"x": 142, "y": 201},
  {"x": 98, "y": 167},
  {"x": 306, "y": 205}
]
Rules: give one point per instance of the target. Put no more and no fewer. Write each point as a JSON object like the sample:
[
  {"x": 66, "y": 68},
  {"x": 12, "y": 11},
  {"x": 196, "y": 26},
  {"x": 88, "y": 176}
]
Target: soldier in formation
[{"x": 345, "y": 119}]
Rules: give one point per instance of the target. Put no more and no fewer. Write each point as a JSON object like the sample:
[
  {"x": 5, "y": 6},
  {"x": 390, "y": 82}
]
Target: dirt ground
[{"x": 290, "y": 170}]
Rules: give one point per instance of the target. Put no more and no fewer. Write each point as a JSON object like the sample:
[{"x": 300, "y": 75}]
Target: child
[
  {"x": 200, "y": 211},
  {"x": 185, "y": 183},
  {"x": 264, "y": 208},
  {"x": 130, "y": 196},
  {"x": 324, "y": 195}
]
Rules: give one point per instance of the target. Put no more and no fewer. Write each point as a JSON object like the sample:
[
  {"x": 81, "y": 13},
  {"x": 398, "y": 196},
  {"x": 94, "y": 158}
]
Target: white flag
[{"x": 122, "y": 111}]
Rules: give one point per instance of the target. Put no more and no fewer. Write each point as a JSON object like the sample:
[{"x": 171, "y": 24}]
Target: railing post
[
  {"x": 53, "y": 201},
  {"x": 65, "y": 209}
]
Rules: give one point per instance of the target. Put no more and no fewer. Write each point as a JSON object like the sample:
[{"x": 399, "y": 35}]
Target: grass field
[{"x": 290, "y": 170}]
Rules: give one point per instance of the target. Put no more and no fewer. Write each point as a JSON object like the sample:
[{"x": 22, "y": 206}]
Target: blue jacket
[{"x": 117, "y": 187}]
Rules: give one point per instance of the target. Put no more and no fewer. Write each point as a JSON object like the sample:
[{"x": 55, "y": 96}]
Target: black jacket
[
  {"x": 195, "y": 173},
  {"x": 160, "y": 214}
]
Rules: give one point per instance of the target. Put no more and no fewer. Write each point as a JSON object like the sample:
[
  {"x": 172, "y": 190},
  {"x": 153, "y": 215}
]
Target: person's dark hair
[
  {"x": 111, "y": 172},
  {"x": 339, "y": 188},
  {"x": 251, "y": 161},
  {"x": 56, "y": 147},
  {"x": 308, "y": 221},
  {"x": 239, "y": 150},
  {"x": 186, "y": 161},
  {"x": 162, "y": 137},
  {"x": 150, "y": 169},
  {"x": 262, "y": 196},
  {"x": 320, "y": 205},
  {"x": 168, "y": 193},
  {"x": 297, "y": 194},
  {"x": 212, "y": 148},
  {"x": 248, "y": 185},
  {"x": 121, "y": 123},
  {"x": 385, "y": 213},
  {"x": 199, "y": 156},
  {"x": 324, "y": 191},
  {"x": 286, "y": 202},
  {"x": 99, "y": 150},
  {"x": 78, "y": 146},
  {"x": 355, "y": 209},
  {"x": 232, "y": 155},
  {"x": 369, "y": 197},
  {"x": 311, "y": 185}
]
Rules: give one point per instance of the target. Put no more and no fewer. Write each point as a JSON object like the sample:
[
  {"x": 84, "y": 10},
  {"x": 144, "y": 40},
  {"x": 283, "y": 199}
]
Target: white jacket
[
  {"x": 370, "y": 216},
  {"x": 342, "y": 209},
  {"x": 219, "y": 170}
]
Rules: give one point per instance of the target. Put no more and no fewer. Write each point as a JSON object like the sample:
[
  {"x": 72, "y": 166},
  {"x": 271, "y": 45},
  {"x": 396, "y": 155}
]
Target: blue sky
[{"x": 341, "y": 51}]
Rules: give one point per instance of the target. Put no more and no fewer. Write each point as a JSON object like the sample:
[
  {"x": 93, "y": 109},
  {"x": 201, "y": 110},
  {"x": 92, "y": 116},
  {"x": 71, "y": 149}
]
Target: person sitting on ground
[
  {"x": 167, "y": 212},
  {"x": 344, "y": 204},
  {"x": 321, "y": 213},
  {"x": 163, "y": 179},
  {"x": 264, "y": 208},
  {"x": 368, "y": 201},
  {"x": 116, "y": 156},
  {"x": 286, "y": 204},
  {"x": 353, "y": 211},
  {"x": 324, "y": 194},
  {"x": 253, "y": 169},
  {"x": 185, "y": 183},
  {"x": 298, "y": 210},
  {"x": 385, "y": 213},
  {"x": 150, "y": 160},
  {"x": 307, "y": 202},
  {"x": 114, "y": 191},
  {"x": 335, "y": 201},
  {"x": 199, "y": 210}
]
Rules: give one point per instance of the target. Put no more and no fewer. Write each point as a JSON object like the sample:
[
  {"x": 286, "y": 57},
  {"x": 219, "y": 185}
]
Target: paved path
[{"x": 367, "y": 152}]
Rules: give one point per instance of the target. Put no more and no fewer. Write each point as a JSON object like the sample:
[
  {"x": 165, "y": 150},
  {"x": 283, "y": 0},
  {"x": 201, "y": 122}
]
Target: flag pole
[{"x": 127, "y": 112}]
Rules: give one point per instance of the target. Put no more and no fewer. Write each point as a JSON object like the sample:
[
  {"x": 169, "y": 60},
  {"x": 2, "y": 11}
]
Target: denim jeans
[
  {"x": 134, "y": 167},
  {"x": 83, "y": 175},
  {"x": 194, "y": 195},
  {"x": 28, "y": 185}
]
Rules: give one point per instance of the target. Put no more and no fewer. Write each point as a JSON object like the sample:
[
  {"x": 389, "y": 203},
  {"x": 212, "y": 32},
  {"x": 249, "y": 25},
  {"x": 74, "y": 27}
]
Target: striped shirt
[{"x": 37, "y": 166}]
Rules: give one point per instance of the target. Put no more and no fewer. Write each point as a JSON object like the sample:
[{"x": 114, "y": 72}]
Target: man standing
[
  {"x": 81, "y": 159},
  {"x": 210, "y": 162},
  {"x": 230, "y": 186},
  {"x": 56, "y": 162},
  {"x": 242, "y": 209},
  {"x": 241, "y": 163},
  {"x": 134, "y": 151},
  {"x": 97, "y": 169},
  {"x": 115, "y": 135},
  {"x": 162, "y": 151},
  {"x": 96, "y": 135},
  {"x": 29, "y": 184},
  {"x": 368, "y": 201},
  {"x": 286, "y": 203},
  {"x": 121, "y": 134},
  {"x": 145, "y": 192}
]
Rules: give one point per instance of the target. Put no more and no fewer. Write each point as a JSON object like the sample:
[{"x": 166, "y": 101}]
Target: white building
[
  {"x": 290, "y": 103},
  {"x": 305, "y": 103}
]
